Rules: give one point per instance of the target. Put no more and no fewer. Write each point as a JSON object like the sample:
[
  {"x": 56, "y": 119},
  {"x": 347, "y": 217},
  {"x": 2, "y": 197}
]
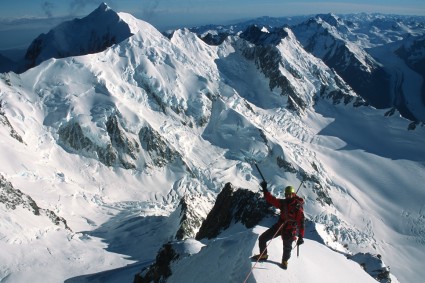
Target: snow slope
[
  {"x": 215, "y": 113},
  {"x": 227, "y": 259}
]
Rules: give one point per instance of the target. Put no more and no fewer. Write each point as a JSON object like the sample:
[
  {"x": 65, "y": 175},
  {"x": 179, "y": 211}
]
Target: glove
[
  {"x": 300, "y": 241},
  {"x": 263, "y": 185}
]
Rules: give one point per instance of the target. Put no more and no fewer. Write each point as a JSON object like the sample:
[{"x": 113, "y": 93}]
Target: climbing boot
[{"x": 260, "y": 257}]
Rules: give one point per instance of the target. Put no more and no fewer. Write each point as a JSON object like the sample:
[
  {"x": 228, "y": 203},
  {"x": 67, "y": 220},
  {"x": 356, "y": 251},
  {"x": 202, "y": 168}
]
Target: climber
[{"x": 291, "y": 222}]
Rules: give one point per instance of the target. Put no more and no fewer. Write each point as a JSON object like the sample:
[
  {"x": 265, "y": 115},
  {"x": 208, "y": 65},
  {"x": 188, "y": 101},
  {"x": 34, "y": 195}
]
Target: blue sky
[
  {"x": 177, "y": 13},
  {"x": 182, "y": 11}
]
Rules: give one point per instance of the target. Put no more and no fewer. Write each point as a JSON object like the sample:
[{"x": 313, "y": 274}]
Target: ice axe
[
  {"x": 298, "y": 246},
  {"x": 251, "y": 158},
  {"x": 259, "y": 171},
  {"x": 299, "y": 187}
]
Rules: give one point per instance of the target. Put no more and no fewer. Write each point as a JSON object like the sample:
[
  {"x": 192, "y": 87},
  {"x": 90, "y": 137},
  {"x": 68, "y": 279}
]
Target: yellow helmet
[{"x": 289, "y": 190}]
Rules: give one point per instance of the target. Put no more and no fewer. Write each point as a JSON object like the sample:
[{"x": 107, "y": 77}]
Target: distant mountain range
[{"x": 349, "y": 44}]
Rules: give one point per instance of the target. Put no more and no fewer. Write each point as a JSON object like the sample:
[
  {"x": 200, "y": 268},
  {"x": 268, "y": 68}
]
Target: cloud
[
  {"x": 47, "y": 8},
  {"x": 149, "y": 8},
  {"x": 78, "y": 6}
]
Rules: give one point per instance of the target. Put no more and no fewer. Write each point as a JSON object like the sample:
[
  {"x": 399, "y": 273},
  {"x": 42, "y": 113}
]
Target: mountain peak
[
  {"x": 103, "y": 12},
  {"x": 94, "y": 33},
  {"x": 103, "y": 6},
  {"x": 331, "y": 19},
  {"x": 263, "y": 36}
]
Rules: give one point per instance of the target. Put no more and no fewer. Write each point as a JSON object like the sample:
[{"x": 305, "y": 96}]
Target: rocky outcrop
[
  {"x": 73, "y": 138},
  {"x": 160, "y": 153},
  {"x": 122, "y": 150},
  {"x": 5, "y": 121},
  {"x": 13, "y": 198},
  {"x": 262, "y": 37},
  {"x": 341, "y": 94},
  {"x": 160, "y": 270},
  {"x": 214, "y": 39},
  {"x": 233, "y": 206},
  {"x": 123, "y": 145},
  {"x": 192, "y": 212},
  {"x": 412, "y": 52},
  {"x": 373, "y": 265},
  {"x": 268, "y": 59}
]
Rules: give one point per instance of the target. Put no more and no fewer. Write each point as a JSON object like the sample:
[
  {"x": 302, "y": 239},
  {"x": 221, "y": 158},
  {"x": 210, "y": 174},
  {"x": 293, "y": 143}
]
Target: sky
[
  {"x": 166, "y": 14},
  {"x": 189, "y": 11}
]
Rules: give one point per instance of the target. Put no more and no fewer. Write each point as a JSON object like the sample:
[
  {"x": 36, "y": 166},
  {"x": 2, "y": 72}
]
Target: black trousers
[{"x": 287, "y": 239}]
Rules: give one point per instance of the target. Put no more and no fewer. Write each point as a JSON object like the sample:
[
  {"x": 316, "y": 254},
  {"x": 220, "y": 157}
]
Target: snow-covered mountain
[
  {"x": 361, "y": 48},
  {"x": 324, "y": 36},
  {"x": 78, "y": 37},
  {"x": 116, "y": 160},
  {"x": 413, "y": 53}
]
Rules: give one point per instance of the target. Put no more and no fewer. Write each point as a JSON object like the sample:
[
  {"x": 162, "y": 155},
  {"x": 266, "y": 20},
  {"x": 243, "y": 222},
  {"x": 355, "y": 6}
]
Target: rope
[{"x": 258, "y": 259}]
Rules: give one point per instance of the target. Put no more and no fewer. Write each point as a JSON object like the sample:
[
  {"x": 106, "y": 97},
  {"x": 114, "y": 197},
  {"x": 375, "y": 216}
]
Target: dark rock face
[
  {"x": 12, "y": 198},
  {"x": 341, "y": 95},
  {"x": 122, "y": 144},
  {"x": 159, "y": 151},
  {"x": 257, "y": 36},
  {"x": 121, "y": 150},
  {"x": 5, "y": 121},
  {"x": 369, "y": 84},
  {"x": 72, "y": 138},
  {"x": 373, "y": 265},
  {"x": 412, "y": 53},
  {"x": 214, "y": 40},
  {"x": 268, "y": 59},
  {"x": 233, "y": 205},
  {"x": 160, "y": 270},
  {"x": 190, "y": 218}
]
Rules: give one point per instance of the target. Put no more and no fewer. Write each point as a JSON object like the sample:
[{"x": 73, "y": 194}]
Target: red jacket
[{"x": 291, "y": 214}]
